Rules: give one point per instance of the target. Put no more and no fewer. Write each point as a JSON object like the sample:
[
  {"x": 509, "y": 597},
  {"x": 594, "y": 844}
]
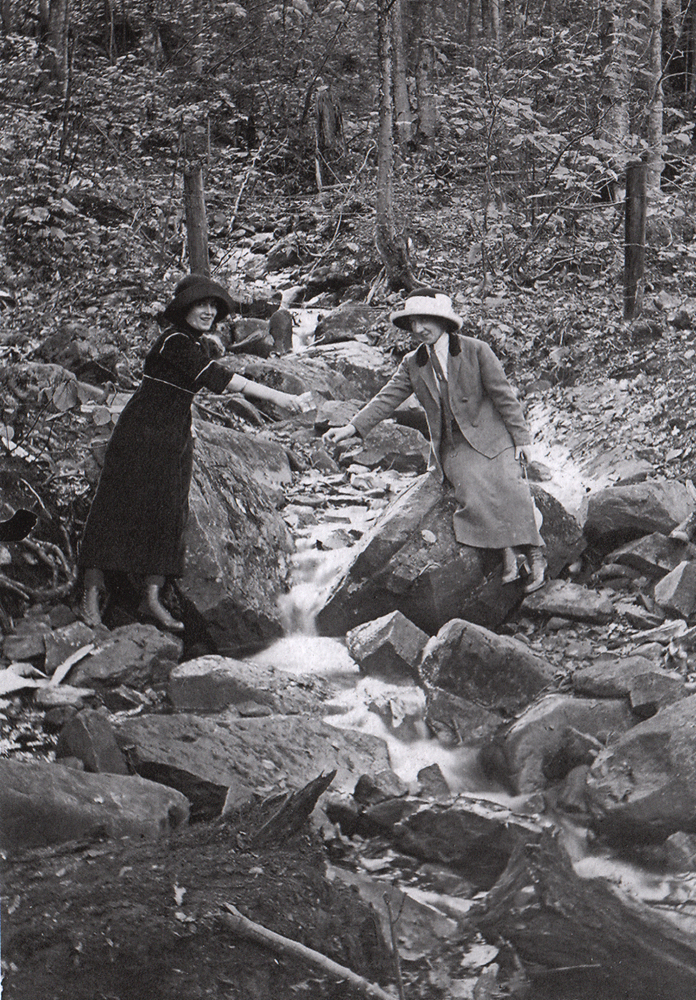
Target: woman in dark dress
[
  {"x": 478, "y": 432},
  {"x": 138, "y": 515}
]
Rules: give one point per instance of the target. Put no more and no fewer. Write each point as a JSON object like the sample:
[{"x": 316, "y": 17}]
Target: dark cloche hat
[{"x": 195, "y": 288}]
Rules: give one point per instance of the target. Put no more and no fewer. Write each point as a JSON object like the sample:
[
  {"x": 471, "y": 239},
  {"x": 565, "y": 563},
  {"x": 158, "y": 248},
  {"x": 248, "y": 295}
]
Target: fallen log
[
  {"x": 249, "y": 929},
  {"x": 583, "y": 939}
]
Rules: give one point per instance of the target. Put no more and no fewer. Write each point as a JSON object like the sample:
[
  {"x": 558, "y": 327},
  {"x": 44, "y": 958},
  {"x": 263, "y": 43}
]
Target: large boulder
[
  {"x": 647, "y": 687},
  {"x": 204, "y": 759},
  {"x": 135, "y": 655},
  {"x": 654, "y": 555},
  {"x": 266, "y": 460},
  {"x": 390, "y": 646},
  {"x": 643, "y": 787},
  {"x": 390, "y": 446},
  {"x": 410, "y": 561},
  {"x": 236, "y": 549},
  {"x": 563, "y": 599},
  {"x": 495, "y": 671},
  {"x": 625, "y": 512},
  {"x": 552, "y": 737},
  {"x": 366, "y": 367},
  {"x": 43, "y": 804}
]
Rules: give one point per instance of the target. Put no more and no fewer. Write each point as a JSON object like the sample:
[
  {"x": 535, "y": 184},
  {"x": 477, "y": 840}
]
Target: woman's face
[
  {"x": 201, "y": 315},
  {"x": 428, "y": 329}
]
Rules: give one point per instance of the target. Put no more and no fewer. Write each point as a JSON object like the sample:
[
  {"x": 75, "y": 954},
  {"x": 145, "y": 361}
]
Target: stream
[{"x": 395, "y": 712}]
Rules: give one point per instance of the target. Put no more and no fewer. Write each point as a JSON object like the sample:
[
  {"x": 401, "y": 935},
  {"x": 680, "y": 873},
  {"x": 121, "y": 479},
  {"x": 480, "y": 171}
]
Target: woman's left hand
[{"x": 523, "y": 453}]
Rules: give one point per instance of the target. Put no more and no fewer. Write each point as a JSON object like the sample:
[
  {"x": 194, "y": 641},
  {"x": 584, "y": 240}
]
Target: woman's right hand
[{"x": 336, "y": 434}]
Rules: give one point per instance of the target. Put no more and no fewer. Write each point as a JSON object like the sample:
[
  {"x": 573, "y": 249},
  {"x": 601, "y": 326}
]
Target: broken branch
[{"x": 243, "y": 927}]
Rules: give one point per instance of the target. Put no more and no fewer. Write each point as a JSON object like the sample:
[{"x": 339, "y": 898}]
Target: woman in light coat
[{"x": 477, "y": 430}]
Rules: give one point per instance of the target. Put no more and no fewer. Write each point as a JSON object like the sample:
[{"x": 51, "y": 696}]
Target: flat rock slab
[
  {"x": 653, "y": 555},
  {"x": 643, "y": 787},
  {"x": 632, "y": 677},
  {"x": 495, "y": 671},
  {"x": 676, "y": 592},
  {"x": 390, "y": 446},
  {"x": 656, "y": 505},
  {"x": 266, "y": 460},
  {"x": 214, "y": 683},
  {"x": 562, "y": 599},
  {"x": 90, "y": 737},
  {"x": 43, "y": 804},
  {"x": 202, "y": 758},
  {"x": 131, "y": 654},
  {"x": 455, "y": 721},
  {"x": 366, "y": 367}
]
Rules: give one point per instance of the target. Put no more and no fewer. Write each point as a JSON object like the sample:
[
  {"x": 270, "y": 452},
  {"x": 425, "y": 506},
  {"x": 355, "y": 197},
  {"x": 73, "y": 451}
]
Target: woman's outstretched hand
[
  {"x": 337, "y": 434},
  {"x": 523, "y": 453},
  {"x": 288, "y": 402}
]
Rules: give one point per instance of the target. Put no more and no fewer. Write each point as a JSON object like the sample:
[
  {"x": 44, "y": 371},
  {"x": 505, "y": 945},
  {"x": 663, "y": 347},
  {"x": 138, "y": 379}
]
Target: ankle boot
[
  {"x": 152, "y": 605},
  {"x": 510, "y": 566},
  {"x": 90, "y": 610},
  {"x": 537, "y": 570}
]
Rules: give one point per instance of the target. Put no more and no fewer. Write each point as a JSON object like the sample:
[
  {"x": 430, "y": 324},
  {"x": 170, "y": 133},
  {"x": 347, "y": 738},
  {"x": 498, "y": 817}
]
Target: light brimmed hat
[
  {"x": 427, "y": 302},
  {"x": 196, "y": 288}
]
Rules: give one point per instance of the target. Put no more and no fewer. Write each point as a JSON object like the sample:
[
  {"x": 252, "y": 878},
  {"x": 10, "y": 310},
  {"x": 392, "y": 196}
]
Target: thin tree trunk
[
  {"x": 7, "y": 15},
  {"x": 402, "y": 106},
  {"x": 196, "y": 223},
  {"x": 634, "y": 249},
  {"x": 392, "y": 248},
  {"x": 655, "y": 116},
  {"x": 614, "y": 99},
  {"x": 57, "y": 40},
  {"x": 692, "y": 53},
  {"x": 427, "y": 106}
]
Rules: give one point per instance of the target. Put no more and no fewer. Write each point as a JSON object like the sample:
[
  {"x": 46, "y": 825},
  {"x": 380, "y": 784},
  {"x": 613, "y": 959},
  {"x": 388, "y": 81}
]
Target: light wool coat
[{"x": 482, "y": 401}]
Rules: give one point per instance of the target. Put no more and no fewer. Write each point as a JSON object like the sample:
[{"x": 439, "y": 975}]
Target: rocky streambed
[{"x": 513, "y": 808}]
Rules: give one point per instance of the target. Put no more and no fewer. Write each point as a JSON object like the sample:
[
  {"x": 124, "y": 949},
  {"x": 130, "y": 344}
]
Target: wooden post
[
  {"x": 196, "y": 222},
  {"x": 634, "y": 244}
]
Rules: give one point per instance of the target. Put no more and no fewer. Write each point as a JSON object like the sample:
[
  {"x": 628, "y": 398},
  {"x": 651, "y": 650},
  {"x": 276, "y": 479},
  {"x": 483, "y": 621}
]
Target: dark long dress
[{"x": 138, "y": 515}]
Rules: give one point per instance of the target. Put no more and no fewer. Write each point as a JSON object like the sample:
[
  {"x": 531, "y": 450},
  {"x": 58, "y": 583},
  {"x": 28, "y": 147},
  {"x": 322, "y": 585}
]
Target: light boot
[
  {"x": 90, "y": 605},
  {"x": 510, "y": 566},
  {"x": 685, "y": 531},
  {"x": 537, "y": 570}
]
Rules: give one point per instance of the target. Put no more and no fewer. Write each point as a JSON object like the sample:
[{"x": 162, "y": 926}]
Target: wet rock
[
  {"x": 676, "y": 592},
  {"x": 43, "y": 804},
  {"x": 495, "y": 671},
  {"x": 213, "y": 683},
  {"x": 474, "y": 836},
  {"x": 202, "y": 758},
  {"x": 653, "y": 555},
  {"x": 389, "y": 446},
  {"x": 562, "y": 599},
  {"x": 132, "y": 654},
  {"x": 236, "y": 549},
  {"x": 374, "y": 788},
  {"x": 90, "y": 737},
  {"x": 631, "y": 511},
  {"x": 456, "y": 721},
  {"x": 552, "y": 737},
  {"x": 350, "y": 320},
  {"x": 571, "y": 794},
  {"x": 432, "y": 784},
  {"x": 265, "y": 460},
  {"x": 389, "y": 647},
  {"x": 643, "y": 787}
]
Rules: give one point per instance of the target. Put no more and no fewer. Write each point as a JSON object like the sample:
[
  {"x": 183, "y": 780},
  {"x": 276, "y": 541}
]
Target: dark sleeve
[{"x": 192, "y": 364}]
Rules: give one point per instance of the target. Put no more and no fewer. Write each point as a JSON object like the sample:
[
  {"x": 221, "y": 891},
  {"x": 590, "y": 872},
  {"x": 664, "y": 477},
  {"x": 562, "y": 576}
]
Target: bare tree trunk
[
  {"x": 634, "y": 248},
  {"x": 496, "y": 24},
  {"x": 427, "y": 106},
  {"x": 57, "y": 40},
  {"x": 691, "y": 65},
  {"x": 392, "y": 247},
  {"x": 402, "y": 106},
  {"x": 655, "y": 161},
  {"x": 196, "y": 223},
  {"x": 614, "y": 99}
]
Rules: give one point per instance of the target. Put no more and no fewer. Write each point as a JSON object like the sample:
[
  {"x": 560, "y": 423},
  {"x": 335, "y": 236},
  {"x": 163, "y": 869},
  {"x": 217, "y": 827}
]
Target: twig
[
  {"x": 393, "y": 921},
  {"x": 243, "y": 927}
]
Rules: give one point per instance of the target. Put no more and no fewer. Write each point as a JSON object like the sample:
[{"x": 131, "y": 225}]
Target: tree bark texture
[
  {"x": 7, "y": 15},
  {"x": 427, "y": 107},
  {"x": 634, "y": 244},
  {"x": 196, "y": 223},
  {"x": 614, "y": 98},
  {"x": 655, "y": 110},
  {"x": 392, "y": 247},
  {"x": 402, "y": 105},
  {"x": 57, "y": 39},
  {"x": 596, "y": 942}
]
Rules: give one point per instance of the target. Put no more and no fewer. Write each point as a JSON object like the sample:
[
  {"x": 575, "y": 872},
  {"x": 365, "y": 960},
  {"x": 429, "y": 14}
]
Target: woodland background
[{"x": 349, "y": 150}]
